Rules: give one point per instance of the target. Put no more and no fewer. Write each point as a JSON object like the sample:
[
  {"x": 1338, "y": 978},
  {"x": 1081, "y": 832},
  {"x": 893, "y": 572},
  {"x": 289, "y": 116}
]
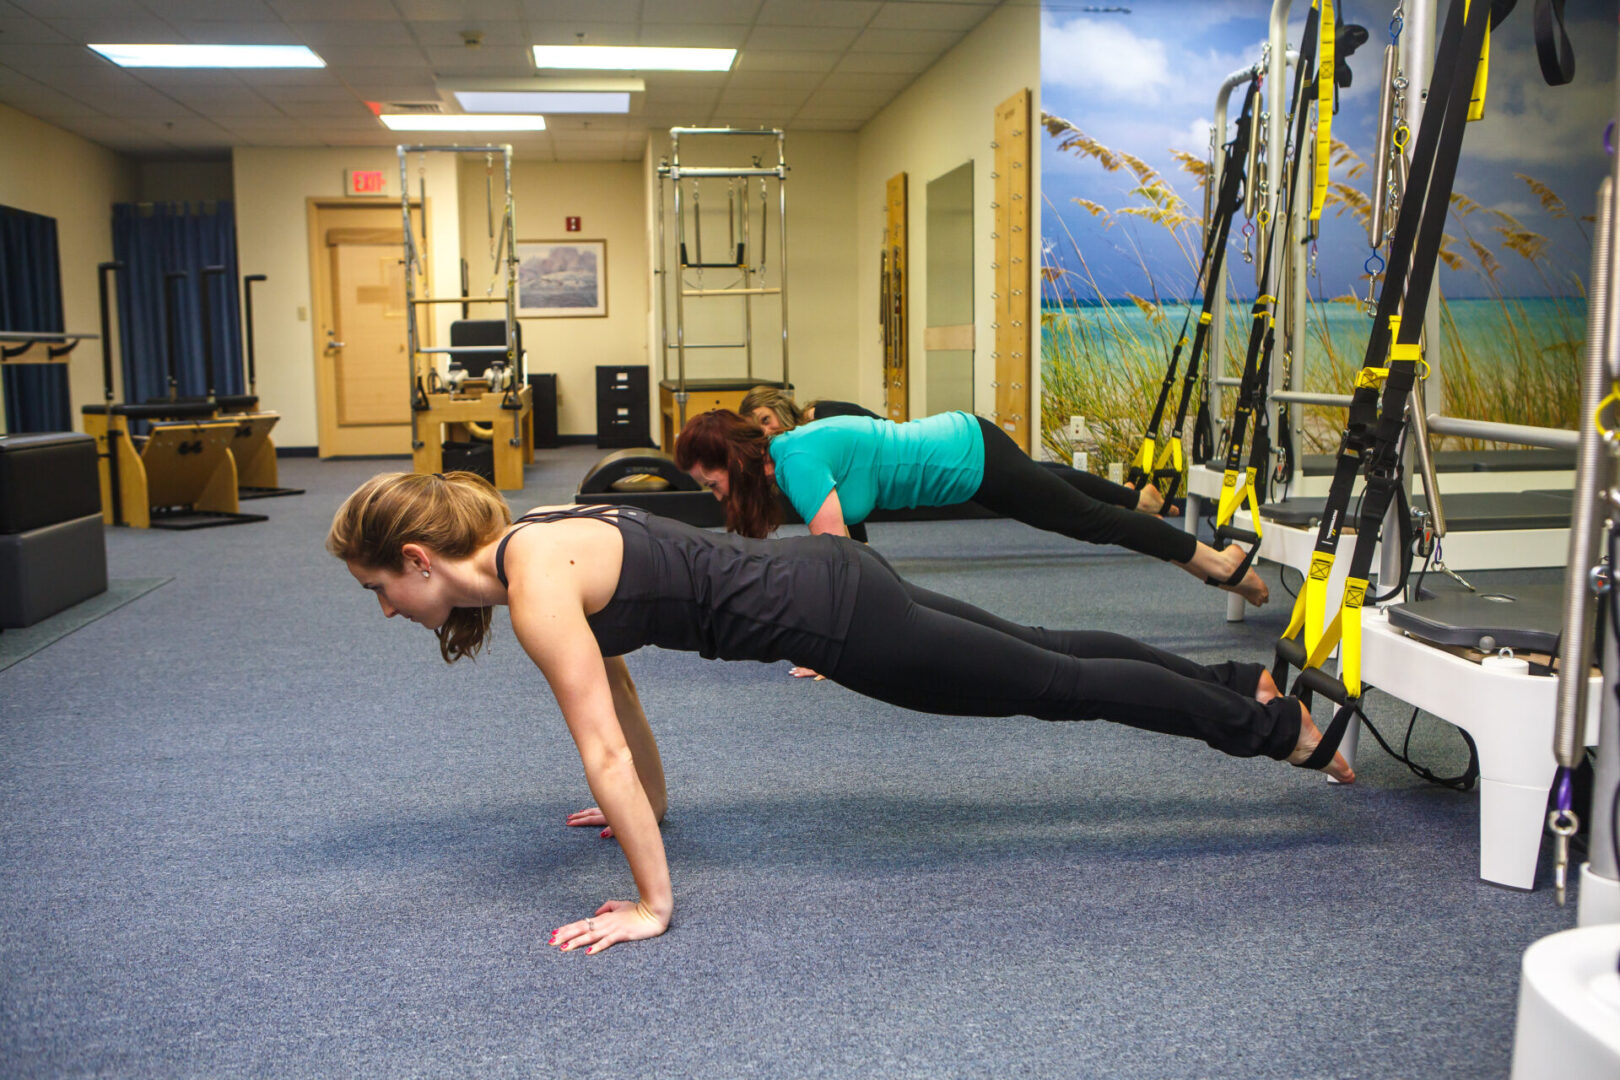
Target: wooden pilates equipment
[{"x": 474, "y": 406}]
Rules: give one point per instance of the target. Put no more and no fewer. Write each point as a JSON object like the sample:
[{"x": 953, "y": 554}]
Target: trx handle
[{"x": 1224, "y": 536}]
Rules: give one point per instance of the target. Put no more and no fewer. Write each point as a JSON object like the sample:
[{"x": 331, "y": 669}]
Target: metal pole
[
  {"x": 661, "y": 275},
  {"x": 169, "y": 305},
  {"x": 410, "y": 292},
  {"x": 748, "y": 279},
  {"x": 247, "y": 298},
  {"x": 680, "y": 307},
  {"x": 781, "y": 246},
  {"x": 103, "y": 271}
]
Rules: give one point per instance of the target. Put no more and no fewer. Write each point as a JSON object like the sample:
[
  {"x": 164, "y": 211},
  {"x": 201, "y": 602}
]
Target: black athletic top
[
  {"x": 717, "y": 594},
  {"x": 827, "y": 409}
]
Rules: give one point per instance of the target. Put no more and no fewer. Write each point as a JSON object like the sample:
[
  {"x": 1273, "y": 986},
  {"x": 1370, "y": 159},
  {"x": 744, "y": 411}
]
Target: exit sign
[{"x": 365, "y": 182}]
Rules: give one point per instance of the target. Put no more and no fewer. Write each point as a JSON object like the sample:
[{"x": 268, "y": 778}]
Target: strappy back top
[{"x": 719, "y": 595}]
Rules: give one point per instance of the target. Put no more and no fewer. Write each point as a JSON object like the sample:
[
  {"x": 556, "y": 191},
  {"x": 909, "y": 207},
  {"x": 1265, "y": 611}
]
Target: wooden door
[{"x": 362, "y": 361}]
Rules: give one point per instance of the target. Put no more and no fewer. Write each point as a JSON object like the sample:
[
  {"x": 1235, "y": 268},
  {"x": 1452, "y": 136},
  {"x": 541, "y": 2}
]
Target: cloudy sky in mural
[{"x": 1145, "y": 82}]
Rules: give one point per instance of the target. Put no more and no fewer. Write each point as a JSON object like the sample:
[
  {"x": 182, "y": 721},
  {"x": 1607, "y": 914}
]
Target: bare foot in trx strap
[
  {"x": 1309, "y": 735},
  {"x": 1208, "y": 563},
  {"x": 1267, "y": 689},
  {"x": 1149, "y": 500}
]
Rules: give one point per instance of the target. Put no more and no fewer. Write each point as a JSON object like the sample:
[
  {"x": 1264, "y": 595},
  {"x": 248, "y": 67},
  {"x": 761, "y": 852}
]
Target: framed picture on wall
[{"x": 562, "y": 278}]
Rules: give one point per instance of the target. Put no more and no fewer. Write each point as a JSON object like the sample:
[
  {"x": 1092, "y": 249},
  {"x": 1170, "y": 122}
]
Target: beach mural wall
[{"x": 1127, "y": 96}]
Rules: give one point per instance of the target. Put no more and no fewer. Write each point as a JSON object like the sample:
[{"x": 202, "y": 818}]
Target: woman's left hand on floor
[{"x": 590, "y": 816}]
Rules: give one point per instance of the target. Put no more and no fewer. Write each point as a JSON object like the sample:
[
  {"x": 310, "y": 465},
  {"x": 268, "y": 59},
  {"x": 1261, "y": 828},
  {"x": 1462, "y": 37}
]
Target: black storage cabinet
[
  {"x": 622, "y": 406},
  {"x": 53, "y": 552}
]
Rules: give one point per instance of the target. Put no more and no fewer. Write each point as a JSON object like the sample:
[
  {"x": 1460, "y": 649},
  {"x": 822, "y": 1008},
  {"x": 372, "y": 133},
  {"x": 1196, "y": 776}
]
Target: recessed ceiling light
[
  {"x": 211, "y": 56},
  {"x": 542, "y": 101},
  {"x": 458, "y": 122},
  {"x": 632, "y": 58}
]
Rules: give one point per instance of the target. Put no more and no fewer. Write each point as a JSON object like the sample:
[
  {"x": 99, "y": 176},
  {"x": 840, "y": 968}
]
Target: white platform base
[
  {"x": 1205, "y": 482},
  {"x": 1569, "y": 1007},
  {"x": 1508, "y": 714},
  {"x": 1599, "y": 901}
]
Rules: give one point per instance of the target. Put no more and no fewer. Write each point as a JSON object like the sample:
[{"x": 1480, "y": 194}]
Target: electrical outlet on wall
[{"x": 1078, "y": 432}]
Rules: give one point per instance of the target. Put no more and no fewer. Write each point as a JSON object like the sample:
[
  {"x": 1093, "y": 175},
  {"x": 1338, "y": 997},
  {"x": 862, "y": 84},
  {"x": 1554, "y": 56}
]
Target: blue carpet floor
[{"x": 253, "y": 829}]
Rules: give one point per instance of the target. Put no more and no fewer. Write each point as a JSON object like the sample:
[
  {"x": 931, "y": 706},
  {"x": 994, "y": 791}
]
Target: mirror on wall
[{"x": 948, "y": 337}]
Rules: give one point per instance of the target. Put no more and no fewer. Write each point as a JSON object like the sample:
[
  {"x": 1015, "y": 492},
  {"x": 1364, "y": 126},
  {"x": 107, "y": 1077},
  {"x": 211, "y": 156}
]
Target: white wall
[
  {"x": 183, "y": 181},
  {"x": 607, "y": 198},
  {"x": 943, "y": 119},
  {"x": 46, "y": 170},
  {"x": 272, "y": 236}
]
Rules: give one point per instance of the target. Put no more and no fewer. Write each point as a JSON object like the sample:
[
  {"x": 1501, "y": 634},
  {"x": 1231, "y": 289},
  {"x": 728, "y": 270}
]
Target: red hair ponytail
[{"x": 721, "y": 439}]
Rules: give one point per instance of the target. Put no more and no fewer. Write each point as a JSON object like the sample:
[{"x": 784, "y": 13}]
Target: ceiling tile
[
  {"x": 616, "y": 11},
  {"x": 930, "y": 42},
  {"x": 765, "y": 60},
  {"x": 849, "y": 13},
  {"x": 460, "y": 10},
  {"x": 845, "y": 114},
  {"x": 214, "y": 10},
  {"x": 82, "y": 9},
  {"x": 50, "y": 57},
  {"x": 702, "y": 11},
  {"x": 20, "y": 29},
  {"x": 448, "y": 32},
  {"x": 344, "y": 10},
  {"x": 932, "y": 16},
  {"x": 776, "y": 80},
  {"x": 845, "y": 99},
  {"x": 910, "y": 63},
  {"x": 877, "y": 82},
  {"x": 332, "y": 92},
  {"x": 596, "y": 31},
  {"x": 765, "y": 99},
  {"x": 408, "y": 57},
  {"x": 802, "y": 38},
  {"x": 145, "y": 30},
  {"x": 216, "y": 32},
  {"x": 801, "y": 123},
  {"x": 320, "y": 110},
  {"x": 485, "y": 60},
  {"x": 288, "y": 77},
  {"x": 370, "y": 32},
  {"x": 694, "y": 36}
]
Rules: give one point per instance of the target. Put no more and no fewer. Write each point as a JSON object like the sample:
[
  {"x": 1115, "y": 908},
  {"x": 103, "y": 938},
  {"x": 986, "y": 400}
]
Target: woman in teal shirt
[{"x": 839, "y": 470}]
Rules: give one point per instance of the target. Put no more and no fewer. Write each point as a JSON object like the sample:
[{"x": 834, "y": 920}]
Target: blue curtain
[
  {"x": 31, "y": 300},
  {"x": 153, "y": 240}
]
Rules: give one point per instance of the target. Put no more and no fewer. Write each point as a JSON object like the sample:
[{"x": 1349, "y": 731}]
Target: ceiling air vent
[{"x": 414, "y": 107}]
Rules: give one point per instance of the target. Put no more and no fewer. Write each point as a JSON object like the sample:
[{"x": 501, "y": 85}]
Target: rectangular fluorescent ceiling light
[
  {"x": 632, "y": 58},
  {"x": 542, "y": 101},
  {"x": 210, "y": 56},
  {"x": 454, "y": 122}
]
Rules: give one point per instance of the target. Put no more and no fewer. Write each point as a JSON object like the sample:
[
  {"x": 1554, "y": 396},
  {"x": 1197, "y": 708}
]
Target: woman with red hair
[{"x": 839, "y": 470}]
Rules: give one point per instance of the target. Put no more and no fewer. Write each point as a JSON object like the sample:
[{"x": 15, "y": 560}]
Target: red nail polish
[{"x": 602, "y": 833}]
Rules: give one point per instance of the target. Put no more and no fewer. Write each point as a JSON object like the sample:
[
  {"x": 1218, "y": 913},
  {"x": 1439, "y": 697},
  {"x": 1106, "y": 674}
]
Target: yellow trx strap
[
  {"x": 1324, "y": 111},
  {"x": 1482, "y": 74},
  {"x": 1355, "y": 592}
]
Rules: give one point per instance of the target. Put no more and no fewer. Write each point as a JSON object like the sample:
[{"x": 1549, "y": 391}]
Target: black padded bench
[{"x": 53, "y": 552}]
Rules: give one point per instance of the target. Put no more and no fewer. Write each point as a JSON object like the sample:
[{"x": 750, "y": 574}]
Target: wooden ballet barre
[
  {"x": 727, "y": 292},
  {"x": 460, "y": 300}
]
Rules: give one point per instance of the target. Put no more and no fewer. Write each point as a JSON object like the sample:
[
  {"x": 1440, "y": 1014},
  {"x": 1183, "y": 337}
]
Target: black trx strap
[
  {"x": 1372, "y": 441},
  {"x": 1553, "y": 49},
  {"x": 1165, "y": 469},
  {"x": 1251, "y": 399}
]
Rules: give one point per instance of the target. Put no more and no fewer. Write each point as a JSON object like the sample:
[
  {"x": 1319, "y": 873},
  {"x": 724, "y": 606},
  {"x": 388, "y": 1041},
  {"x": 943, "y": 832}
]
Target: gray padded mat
[{"x": 1526, "y": 617}]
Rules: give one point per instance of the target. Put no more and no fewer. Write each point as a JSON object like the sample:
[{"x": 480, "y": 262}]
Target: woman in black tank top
[{"x": 585, "y": 585}]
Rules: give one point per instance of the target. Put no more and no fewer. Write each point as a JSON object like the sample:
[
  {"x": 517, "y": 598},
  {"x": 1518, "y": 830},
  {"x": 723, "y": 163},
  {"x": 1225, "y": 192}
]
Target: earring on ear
[{"x": 424, "y": 573}]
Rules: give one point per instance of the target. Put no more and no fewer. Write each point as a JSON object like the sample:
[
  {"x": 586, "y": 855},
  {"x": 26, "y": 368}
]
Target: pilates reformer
[
  {"x": 750, "y": 270},
  {"x": 495, "y": 405},
  {"x": 181, "y": 473}
]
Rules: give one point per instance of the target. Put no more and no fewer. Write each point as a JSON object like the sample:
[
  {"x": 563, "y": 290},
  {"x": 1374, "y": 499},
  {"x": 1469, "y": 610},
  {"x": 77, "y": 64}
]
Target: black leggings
[
  {"x": 1016, "y": 487},
  {"x": 924, "y": 651}
]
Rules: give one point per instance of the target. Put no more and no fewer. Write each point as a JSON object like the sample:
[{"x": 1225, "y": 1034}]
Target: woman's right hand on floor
[
  {"x": 614, "y": 921},
  {"x": 805, "y": 673}
]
